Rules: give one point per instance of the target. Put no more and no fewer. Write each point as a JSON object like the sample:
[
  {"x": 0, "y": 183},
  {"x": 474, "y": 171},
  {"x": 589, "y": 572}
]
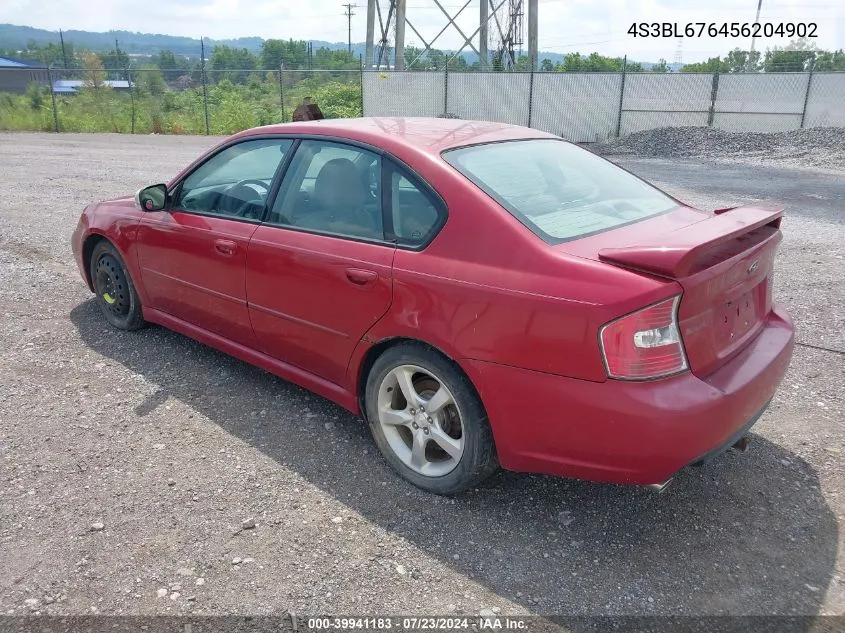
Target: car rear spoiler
[{"x": 681, "y": 252}]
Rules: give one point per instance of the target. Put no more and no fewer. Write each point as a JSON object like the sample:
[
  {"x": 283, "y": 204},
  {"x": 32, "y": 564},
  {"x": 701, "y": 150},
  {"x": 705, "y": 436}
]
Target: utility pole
[
  {"x": 399, "y": 47},
  {"x": 64, "y": 54},
  {"x": 349, "y": 15},
  {"x": 756, "y": 20},
  {"x": 483, "y": 19},
  {"x": 371, "y": 29},
  {"x": 532, "y": 32}
]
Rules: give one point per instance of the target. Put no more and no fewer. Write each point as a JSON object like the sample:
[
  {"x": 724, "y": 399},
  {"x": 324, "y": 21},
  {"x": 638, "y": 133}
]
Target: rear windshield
[{"x": 558, "y": 190}]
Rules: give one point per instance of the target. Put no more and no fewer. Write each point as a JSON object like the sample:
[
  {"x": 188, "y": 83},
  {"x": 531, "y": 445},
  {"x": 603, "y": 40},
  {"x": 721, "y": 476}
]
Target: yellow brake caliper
[{"x": 109, "y": 299}]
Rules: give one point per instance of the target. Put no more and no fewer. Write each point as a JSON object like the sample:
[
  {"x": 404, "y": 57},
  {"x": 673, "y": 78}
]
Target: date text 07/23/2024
[{"x": 460, "y": 623}]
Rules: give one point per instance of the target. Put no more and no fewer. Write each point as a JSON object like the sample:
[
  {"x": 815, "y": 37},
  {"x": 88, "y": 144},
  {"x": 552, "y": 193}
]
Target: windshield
[{"x": 558, "y": 190}]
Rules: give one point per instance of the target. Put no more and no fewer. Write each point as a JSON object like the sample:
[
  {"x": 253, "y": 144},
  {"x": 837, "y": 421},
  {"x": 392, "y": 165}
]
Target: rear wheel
[
  {"x": 116, "y": 295},
  {"x": 428, "y": 421}
]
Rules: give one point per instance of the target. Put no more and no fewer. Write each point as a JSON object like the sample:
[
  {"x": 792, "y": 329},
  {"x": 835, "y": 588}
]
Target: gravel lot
[
  {"x": 129, "y": 462},
  {"x": 820, "y": 148}
]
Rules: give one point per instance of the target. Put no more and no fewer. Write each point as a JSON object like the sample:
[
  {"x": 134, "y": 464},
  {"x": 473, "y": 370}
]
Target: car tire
[
  {"x": 115, "y": 292},
  {"x": 445, "y": 449}
]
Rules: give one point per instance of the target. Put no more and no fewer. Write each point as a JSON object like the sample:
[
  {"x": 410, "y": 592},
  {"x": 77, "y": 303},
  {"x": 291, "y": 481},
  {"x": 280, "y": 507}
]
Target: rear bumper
[{"x": 629, "y": 432}]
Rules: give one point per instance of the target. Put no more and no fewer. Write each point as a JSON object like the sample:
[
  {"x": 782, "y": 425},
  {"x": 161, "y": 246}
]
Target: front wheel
[
  {"x": 428, "y": 421},
  {"x": 116, "y": 296}
]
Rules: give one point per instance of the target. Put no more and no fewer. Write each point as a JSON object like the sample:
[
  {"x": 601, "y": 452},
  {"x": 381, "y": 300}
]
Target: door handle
[
  {"x": 361, "y": 277},
  {"x": 225, "y": 247}
]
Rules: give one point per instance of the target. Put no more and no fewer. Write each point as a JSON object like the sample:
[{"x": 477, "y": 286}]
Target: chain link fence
[
  {"x": 594, "y": 106},
  {"x": 583, "y": 107},
  {"x": 151, "y": 101}
]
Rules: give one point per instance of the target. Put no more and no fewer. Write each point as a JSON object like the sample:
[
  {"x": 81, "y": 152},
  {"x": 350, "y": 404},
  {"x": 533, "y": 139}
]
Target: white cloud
[{"x": 565, "y": 25}]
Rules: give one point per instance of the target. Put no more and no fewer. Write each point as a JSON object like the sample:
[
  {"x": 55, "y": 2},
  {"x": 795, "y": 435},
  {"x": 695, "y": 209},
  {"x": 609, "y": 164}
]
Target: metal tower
[
  {"x": 507, "y": 41},
  {"x": 506, "y": 16}
]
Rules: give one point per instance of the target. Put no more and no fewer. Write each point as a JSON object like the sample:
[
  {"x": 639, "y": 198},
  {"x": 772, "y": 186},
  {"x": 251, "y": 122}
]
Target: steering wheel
[{"x": 252, "y": 196}]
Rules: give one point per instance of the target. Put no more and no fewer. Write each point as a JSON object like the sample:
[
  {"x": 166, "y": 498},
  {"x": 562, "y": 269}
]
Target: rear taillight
[{"x": 645, "y": 344}]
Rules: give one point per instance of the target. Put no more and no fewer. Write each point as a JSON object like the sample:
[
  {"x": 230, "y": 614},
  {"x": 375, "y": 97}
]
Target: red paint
[
  {"x": 313, "y": 297},
  {"x": 520, "y": 317},
  {"x": 194, "y": 267}
]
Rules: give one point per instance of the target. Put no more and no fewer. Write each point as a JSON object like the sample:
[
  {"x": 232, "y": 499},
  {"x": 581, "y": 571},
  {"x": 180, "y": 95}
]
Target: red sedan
[{"x": 482, "y": 294}]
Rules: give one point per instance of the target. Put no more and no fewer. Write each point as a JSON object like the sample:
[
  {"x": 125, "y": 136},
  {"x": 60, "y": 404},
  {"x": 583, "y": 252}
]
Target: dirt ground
[{"x": 129, "y": 461}]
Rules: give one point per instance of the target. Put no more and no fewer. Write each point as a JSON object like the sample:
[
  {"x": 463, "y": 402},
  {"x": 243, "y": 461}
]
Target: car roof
[{"x": 431, "y": 135}]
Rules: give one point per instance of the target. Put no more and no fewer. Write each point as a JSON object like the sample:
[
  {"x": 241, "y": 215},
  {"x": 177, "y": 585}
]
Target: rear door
[
  {"x": 193, "y": 255},
  {"x": 319, "y": 269}
]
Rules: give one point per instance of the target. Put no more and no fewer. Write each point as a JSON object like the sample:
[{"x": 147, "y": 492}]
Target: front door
[
  {"x": 193, "y": 255},
  {"x": 319, "y": 270}
]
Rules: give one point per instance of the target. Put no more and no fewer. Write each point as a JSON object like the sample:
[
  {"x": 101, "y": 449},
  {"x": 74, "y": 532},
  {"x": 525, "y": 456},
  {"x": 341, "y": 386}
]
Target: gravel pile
[{"x": 821, "y": 147}]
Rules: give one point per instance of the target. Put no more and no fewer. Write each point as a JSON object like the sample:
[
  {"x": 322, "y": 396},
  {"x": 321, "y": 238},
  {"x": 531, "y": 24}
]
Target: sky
[{"x": 565, "y": 26}]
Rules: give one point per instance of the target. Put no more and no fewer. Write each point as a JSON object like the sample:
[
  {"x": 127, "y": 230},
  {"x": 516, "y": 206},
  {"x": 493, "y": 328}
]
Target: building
[
  {"x": 71, "y": 86},
  {"x": 17, "y": 74}
]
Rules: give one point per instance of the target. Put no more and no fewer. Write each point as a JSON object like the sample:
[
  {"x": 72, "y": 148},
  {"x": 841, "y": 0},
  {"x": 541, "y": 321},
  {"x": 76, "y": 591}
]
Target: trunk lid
[{"x": 722, "y": 260}]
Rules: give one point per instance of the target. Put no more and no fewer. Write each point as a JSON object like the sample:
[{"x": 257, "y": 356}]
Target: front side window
[
  {"x": 235, "y": 181},
  {"x": 332, "y": 188},
  {"x": 558, "y": 190}
]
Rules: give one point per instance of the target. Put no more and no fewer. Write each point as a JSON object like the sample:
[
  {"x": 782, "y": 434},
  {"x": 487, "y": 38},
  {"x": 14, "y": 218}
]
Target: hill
[{"x": 15, "y": 38}]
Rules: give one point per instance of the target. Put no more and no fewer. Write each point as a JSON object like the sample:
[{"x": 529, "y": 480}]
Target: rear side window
[
  {"x": 415, "y": 214},
  {"x": 558, "y": 190}
]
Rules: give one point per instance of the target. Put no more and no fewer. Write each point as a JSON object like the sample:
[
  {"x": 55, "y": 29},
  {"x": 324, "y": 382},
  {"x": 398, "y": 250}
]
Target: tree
[
  {"x": 328, "y": 59},
  {"x": 575, "y": 62},
  {"x": 238, "y": 61},
  {"x": 660, "y": 67},
  {"x": 712, "y": 65},
  {"x": 414, "y": 61},
  {"x": 51, "y": 54},
  {"x": 292, "y": 54},
  {"x": 436, "y": 59},
  {"x": 115, "y": 60},
  {"x": 523, "y": 64},
  {"x": 830, "y": 60},
  {"x": 171, "y": 67},
  {"x": 457, "y": 62},
  {"x": 546, "y": 65},
  {"x": 95, "y": 74},
  {"x": 795, "y": 57},
  {"x": 740, "y": 61},
  {"x": 150, "y": 80}
]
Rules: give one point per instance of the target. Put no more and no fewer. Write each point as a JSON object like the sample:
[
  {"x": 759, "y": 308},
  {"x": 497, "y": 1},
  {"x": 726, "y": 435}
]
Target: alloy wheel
[{"x": 420, "y": 420}]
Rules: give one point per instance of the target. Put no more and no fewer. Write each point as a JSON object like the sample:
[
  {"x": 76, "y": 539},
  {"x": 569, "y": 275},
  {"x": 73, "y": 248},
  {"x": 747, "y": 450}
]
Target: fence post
[
  {"x": 204, "y": 88},
  {"x": 807, "y": 94},
  {"x": 282, "y": 89},
  {"x": 621, "y": 96},
  {"x": 53, "y": 97},
  {"x": 131, "y": 97},
  {"x": 446, "y": 88},
  {"x": 530, "y": 96},
  {"x": 713, "y": 92},
  {"x": 361, "y": 65}
]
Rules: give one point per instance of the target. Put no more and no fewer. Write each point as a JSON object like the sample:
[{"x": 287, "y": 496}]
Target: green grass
[{"x": 231, "y": 108}]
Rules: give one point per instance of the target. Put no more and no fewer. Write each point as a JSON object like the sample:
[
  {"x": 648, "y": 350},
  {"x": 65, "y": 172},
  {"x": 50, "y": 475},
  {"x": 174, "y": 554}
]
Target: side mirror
[{"x": 152, "y": 198}]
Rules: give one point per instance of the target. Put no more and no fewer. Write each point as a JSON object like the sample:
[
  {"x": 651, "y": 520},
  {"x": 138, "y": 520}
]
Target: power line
[{"x": 349, "y": 15}]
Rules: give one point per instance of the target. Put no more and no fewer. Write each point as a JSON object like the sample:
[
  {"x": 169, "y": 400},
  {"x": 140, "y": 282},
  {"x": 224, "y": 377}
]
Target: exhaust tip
[{"x": 658, "y": 488}]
